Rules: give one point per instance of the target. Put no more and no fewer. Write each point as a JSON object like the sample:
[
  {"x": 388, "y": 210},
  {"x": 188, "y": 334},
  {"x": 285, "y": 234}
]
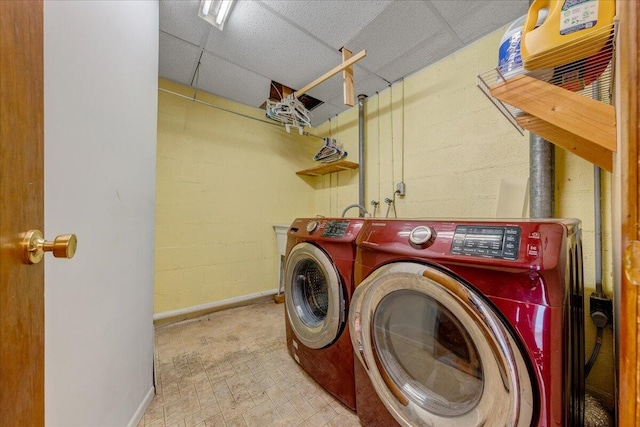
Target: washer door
[
  {"x": 314, "y": 296},
  {"x": 436, "y": 352}
]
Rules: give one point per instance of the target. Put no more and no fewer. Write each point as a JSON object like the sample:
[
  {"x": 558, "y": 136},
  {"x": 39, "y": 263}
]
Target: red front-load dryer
[
  {"x": 318, "y": 284},
  {"x": 469, "y": 323}
]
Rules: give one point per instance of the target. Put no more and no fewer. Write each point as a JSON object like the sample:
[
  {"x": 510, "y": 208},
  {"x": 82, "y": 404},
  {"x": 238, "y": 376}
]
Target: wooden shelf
[
  {"x": 326, "y": 168},
  {"x": 581, "y": 125}
]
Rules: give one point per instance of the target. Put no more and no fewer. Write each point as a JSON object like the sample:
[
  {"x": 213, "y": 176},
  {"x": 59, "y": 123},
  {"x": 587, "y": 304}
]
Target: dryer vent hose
[{"x": 595, "y": 415}]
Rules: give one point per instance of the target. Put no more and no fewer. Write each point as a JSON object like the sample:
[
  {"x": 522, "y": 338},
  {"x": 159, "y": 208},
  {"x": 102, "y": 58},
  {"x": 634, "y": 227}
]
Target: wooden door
[
  {"x": 629, "y": 156},
  {"x": 21, "y": 209}
]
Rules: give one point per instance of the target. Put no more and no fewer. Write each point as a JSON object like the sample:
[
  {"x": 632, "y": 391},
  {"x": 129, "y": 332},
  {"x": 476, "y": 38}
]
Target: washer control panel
[
  {"x": 335, "y": 228},
  {"x": 487, "y": 241}
]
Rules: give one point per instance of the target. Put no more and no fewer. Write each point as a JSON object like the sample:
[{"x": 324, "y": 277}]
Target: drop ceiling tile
[
  {"x": 398, "y": 28},
  {"x": 271, "y": 46},
  {"x": 420, "y": 56},
  {"x": 472, "y": 19},
  {"x": 324, "y": 112},
  {"x": 334, "y": 22},
  {"x": 178, "y": 59},
  {"x": 370, "y": 86},
  {"x": 230, "y": 81},
  {"x": 180, "y": 19}
]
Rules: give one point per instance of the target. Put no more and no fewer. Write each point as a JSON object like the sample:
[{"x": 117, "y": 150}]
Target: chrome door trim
[
  {"x": 507, "y": 397},
  {"x": 327, "y": 332}
]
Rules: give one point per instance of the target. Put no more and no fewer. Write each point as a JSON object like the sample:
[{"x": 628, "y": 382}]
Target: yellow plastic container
[{"x": 573, "y": 30}]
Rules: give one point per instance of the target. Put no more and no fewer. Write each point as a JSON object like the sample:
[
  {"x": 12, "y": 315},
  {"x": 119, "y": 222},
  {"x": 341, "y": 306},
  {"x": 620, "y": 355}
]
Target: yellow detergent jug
[{"x": 573, "y": 30}]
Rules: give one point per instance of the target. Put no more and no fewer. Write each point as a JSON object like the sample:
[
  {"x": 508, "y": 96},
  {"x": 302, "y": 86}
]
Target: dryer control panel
[
  {"x": 335, "y": 228},
  {"x": 487, "y": 241}
]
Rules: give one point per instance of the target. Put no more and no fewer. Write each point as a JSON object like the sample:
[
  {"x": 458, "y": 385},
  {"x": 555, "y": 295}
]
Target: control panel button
[
  {"x": 312, "y": 226},
  {"x": 422, "y": 236}
]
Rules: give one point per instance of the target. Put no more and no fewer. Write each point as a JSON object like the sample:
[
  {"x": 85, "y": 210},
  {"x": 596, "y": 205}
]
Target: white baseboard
[
  {"x": 142, "y": 408},
  {"x": 216, "y": 305}
]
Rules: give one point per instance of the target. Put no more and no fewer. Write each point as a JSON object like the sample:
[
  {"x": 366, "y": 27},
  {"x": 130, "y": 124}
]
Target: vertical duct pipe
[
  {"x": 541, "y": 177},
  {"x": 597, "y": 196},
  {"x": 361, "y": 169}
]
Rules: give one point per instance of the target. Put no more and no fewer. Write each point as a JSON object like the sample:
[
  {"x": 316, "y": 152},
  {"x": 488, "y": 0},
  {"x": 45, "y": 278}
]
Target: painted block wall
[
  {"x": 440, "y": 135},
  {"x": 223, "y": 181},
  {"x": 100, "y": 73}
]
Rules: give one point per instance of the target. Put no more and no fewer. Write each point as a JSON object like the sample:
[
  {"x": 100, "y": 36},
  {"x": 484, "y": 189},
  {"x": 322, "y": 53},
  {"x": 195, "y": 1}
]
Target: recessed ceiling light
[{"x": 215, "y": 12}]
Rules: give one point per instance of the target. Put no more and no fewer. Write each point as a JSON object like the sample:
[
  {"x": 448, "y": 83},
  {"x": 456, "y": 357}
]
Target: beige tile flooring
[{"x": 231, "y": 368}]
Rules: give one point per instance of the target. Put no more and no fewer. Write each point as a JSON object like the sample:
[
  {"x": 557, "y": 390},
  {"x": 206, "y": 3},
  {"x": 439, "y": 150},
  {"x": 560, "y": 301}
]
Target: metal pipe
[
  {"x": 361, "y": 169},
  {"x": 597, "y": 199},
  {"x": 598, "y": 227},
  {"x": 541, "y": 177}
]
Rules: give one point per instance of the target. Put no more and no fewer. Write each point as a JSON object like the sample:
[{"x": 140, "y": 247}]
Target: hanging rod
[{"x": 229, "y": 111}]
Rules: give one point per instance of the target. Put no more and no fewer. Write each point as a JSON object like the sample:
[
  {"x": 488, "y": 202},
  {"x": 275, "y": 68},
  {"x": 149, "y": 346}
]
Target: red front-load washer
[
  {"x": 469, "y": 323},
  {"x": 318, "y": 284}
]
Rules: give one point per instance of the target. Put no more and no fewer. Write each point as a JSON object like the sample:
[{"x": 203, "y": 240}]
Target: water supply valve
[{"x": 600, "y": 309}]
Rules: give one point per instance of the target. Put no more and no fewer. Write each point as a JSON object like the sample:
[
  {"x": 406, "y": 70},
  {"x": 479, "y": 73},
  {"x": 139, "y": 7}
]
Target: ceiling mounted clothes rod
[
  {"x": 194, "y": 99},
  {"x": 348, "y": 63}
]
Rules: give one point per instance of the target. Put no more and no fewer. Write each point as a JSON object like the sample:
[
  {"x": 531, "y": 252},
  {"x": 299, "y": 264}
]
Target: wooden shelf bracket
[{"x": 576, "y": 123}]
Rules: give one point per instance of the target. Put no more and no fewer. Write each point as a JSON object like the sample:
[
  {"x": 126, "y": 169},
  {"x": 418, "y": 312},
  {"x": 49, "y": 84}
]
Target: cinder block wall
[{"x": 223, "y": 181}]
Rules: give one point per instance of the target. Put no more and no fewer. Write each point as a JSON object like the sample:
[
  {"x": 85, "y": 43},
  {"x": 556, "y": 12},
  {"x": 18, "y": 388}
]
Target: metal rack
[{"x": 567, "y": 104}]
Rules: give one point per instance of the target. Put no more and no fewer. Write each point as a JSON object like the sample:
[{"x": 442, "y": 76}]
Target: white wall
[{"x": 101, "y": 65}]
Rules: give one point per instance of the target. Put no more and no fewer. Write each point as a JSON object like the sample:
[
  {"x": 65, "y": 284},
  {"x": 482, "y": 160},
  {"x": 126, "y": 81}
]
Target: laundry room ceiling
[{"x": 295, "y": 42}]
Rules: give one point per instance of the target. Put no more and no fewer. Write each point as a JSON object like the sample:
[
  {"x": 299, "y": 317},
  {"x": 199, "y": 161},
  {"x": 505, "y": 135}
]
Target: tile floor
[{"x": 231, "y": 368}]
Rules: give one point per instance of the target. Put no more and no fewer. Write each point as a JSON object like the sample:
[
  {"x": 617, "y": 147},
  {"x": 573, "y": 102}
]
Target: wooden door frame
[
  {"x": 21, "y": 209},
  {"x": 628, "y": 157}
]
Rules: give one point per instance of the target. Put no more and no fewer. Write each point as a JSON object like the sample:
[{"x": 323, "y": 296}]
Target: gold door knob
[{"x": 34, "y": 246}]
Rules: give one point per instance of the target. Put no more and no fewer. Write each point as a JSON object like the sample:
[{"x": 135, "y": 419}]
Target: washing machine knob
[
  {"x": 312, "y": 226},
  {"x": 422, "y": 236}
]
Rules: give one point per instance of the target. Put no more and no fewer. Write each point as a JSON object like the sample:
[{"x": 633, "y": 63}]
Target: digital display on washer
[
  {"x": 488, "y": 242},
  {"x": 335, "y": 228}
]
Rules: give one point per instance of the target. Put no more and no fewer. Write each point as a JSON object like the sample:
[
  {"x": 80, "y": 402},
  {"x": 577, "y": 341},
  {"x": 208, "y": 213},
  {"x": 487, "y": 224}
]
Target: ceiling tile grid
[
  {"x": 180, "y": 19},
  {"x": 294, "y": 42},
  {"x": 230, "y": 81},
  {"x": 263, "y": 42},
  {"x": 437, "y": 47},
  {"x": 178, "y": 59},
  {"x": 472, "y": 19},
  {"x": 398, "y": 28},
  {"x": 347, "y": 17}
]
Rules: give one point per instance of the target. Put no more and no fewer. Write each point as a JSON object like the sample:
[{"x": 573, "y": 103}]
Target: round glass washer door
[
  {"x": 314, "y": 296},
  {"x": 436, "y": 352}
]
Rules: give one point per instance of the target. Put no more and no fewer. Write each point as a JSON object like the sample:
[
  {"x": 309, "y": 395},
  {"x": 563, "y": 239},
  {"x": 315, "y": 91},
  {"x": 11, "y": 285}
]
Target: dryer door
[
  {"x": 314, "y": 296},
  {"x": 436, "y": 352}
]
